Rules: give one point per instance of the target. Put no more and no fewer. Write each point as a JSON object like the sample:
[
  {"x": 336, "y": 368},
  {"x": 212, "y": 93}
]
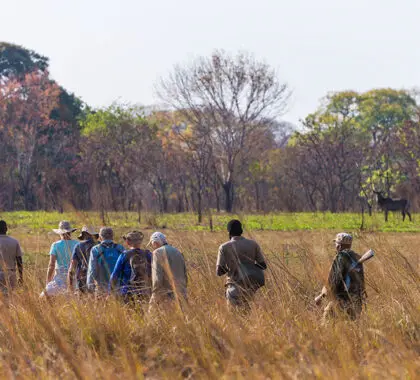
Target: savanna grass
[{"x": 281, "y": 338}]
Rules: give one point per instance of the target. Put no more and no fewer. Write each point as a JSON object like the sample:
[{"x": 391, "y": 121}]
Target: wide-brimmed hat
[
  {"x": 134, "y": 236},
  {"x": 64, "y": 227},
  {"x": 90, "y": 230},
  {"x": 157, "y": 237},
  {"x": 343, "y": 238}
]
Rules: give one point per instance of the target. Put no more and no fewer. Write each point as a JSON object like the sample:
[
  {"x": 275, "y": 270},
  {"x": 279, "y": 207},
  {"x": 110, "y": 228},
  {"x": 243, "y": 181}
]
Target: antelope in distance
[{"x": 389, "y": 204}]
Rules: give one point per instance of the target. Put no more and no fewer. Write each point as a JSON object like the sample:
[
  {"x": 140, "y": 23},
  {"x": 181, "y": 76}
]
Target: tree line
[{"x": 215, "y": 142}]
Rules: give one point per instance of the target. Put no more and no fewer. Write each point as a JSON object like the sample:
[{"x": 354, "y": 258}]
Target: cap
[
  {"x": 343, "y": 238},
  {"x": 158, "y": 237},
  {"x": 134, "y": 236}
]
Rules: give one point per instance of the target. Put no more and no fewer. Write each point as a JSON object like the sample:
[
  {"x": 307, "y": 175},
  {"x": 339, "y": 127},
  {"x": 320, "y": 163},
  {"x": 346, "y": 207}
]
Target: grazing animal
[{"x": 388, "y": 204}]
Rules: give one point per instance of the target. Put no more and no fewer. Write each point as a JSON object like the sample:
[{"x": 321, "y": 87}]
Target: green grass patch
[{"x": 44, "y": 221}]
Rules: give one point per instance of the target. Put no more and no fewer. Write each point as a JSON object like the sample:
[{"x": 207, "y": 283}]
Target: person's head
[
  {"x": 64, "y": 230},
  {"x": 343, "y": 241},
  {"x": 157, "y": 240},
  {"x": 106, "y": 233},
  {"x": 3, "y": 227},
  {"x": 133, "y": 239},
  {"x": 88, "y": 233},
  {"x": 234, "y": 228}
]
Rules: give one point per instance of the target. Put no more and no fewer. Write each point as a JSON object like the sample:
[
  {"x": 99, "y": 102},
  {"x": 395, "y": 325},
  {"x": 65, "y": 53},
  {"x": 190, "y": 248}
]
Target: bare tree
[{"x": 226, "y": 98}]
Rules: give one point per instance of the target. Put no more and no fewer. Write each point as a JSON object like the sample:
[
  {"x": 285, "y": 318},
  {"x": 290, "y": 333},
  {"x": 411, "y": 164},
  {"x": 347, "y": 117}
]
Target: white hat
[
  {"x": 90, "y": 230},
  {"x": 158, "y": 237},
  {"x": 64, "y": 227}
]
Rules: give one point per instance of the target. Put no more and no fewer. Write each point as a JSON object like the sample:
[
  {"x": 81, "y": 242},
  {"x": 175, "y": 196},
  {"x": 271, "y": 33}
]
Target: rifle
[{"x": 367, "y": 256}]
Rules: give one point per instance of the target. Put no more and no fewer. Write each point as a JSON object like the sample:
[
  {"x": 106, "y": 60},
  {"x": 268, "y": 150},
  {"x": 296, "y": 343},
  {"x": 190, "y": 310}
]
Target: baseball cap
[
  {"x": 158, "y": 237},
  {"x": 343, "y": 238}
]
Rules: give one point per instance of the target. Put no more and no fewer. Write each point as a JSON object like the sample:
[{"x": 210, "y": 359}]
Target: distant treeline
[{"x": 216, "y": 142}]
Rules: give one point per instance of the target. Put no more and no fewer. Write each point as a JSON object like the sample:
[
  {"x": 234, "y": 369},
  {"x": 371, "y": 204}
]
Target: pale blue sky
[{"x": 104, "y": 50}]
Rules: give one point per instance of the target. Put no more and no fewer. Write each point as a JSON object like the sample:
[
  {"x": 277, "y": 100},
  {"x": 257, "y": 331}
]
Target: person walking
[
  {"x": 102, "y": 260},
  {"x": 131, "y": 278},
  {"x": 60, "y": 256},
  {"x": 80, "y": 259},
  {"x": 346, "y": 281},
  {"x": 169, "y": 272},
  {"x": 243, "y": 262},
  {"x": 10, "y": 259}
]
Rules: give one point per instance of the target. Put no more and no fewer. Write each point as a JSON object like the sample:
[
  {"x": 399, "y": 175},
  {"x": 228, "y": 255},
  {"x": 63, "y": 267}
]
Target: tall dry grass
[{"x": 281, "y": 338}]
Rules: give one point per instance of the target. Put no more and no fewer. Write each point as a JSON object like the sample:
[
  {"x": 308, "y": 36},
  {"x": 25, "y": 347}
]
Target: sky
[{"x": 116, "y": 50}]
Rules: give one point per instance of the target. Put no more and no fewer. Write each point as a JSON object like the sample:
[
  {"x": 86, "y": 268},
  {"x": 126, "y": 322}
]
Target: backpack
[
  {"x": 251, "y": 275},
  {"x": 108, "y": 256},
  {"x": 139, "y": 267},
  {"x": 352, "y": 277},
  {"x": 84, "y": 264}
]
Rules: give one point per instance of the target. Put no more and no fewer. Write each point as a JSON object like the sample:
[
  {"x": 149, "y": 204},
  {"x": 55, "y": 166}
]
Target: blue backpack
[{"x": 108, "y": 256}]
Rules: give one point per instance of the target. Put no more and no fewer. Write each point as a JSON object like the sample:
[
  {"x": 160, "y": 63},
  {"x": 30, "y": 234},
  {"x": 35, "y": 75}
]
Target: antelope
[{"x": 389, "y": 204}]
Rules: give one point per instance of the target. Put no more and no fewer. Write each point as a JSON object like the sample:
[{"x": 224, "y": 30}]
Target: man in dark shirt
[
  {"x": 346, "y": 281},
  {"x": 80, "y": 259}
]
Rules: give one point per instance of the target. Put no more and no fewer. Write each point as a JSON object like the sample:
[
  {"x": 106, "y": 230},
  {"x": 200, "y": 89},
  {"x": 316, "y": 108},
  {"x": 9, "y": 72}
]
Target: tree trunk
[
  {"x": 257, "y": 196},
  {"x": 199, "y": 207},
  {"x": 229, "y": 196}
]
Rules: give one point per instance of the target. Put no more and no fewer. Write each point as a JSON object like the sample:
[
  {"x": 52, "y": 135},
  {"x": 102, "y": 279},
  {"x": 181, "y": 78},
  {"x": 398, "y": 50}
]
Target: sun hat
[
  {"x": 343, "y": 238},
  {"x": 90, "y": 230},
  {"x": 157, "y": 237},
  {"x": 134, "y": 236},
  {"x": 64, "y": 227}
]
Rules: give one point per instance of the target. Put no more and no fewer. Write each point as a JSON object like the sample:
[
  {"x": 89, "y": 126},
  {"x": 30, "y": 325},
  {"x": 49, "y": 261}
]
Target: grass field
[
  {"x": 281, "y": 338},
  {"x": 42, "y": 221}
]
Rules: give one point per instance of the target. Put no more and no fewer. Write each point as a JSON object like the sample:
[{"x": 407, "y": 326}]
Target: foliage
[{"x": 16, "y": 61}]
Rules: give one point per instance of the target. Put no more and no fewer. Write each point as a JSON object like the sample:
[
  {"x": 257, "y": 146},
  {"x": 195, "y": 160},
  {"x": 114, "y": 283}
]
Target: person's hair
[
  {"x": 234, "y": 228},
  {"x": 106, "y": 233},
  {"x": 3, "y": 227}
]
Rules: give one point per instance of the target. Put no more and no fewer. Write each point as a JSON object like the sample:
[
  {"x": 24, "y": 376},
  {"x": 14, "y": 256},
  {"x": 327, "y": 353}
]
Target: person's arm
[
  {"x": 157, "y": 272},
  {"x": 70, "y": 274},
  {"x": 92, "y": 270},
  {"x": 51, "y": 268},
  {"x": 114, "y": 280},
  {"x": 72, "y": 268},
  {"x": 221, "y": 267},
  {"x": 19, "y": 263},
  {"x": 260, "y": 259},
  {"x": 335, "y": 277}
]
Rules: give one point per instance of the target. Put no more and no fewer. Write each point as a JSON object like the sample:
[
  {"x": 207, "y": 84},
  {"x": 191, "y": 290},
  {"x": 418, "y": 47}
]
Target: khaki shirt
[
  {"x": 238, "y": 249},
  {"x": 169, "y": 273},
  {"x": 9, "y": 251}
]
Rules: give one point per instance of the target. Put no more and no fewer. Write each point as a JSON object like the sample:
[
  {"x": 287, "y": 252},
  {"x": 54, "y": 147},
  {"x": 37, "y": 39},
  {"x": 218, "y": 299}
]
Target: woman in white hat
[{"x": 60, "y": 255}]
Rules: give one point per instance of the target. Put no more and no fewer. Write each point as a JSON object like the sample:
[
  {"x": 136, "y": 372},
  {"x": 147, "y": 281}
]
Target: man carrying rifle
[{"x": 346, "y": 282}]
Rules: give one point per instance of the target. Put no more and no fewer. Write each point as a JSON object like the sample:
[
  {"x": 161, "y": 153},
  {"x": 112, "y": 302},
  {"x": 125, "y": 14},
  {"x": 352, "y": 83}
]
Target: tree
[
  {"x": 226, "y": 98},
  {"x": 17, "y": 61},
  {"x": 118, "y": 150},
  {"x": 25, "y": 110}
]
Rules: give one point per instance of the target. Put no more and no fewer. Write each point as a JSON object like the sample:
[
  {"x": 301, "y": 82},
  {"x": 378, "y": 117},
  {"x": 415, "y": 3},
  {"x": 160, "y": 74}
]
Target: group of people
[{"x": 95, "y": 263}]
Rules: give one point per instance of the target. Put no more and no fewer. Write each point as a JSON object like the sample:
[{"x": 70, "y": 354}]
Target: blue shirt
[
  {"x": 102, "y": 260},
  {"x": 62, "y": 250},
  {"x": 122, "y": 273}
]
